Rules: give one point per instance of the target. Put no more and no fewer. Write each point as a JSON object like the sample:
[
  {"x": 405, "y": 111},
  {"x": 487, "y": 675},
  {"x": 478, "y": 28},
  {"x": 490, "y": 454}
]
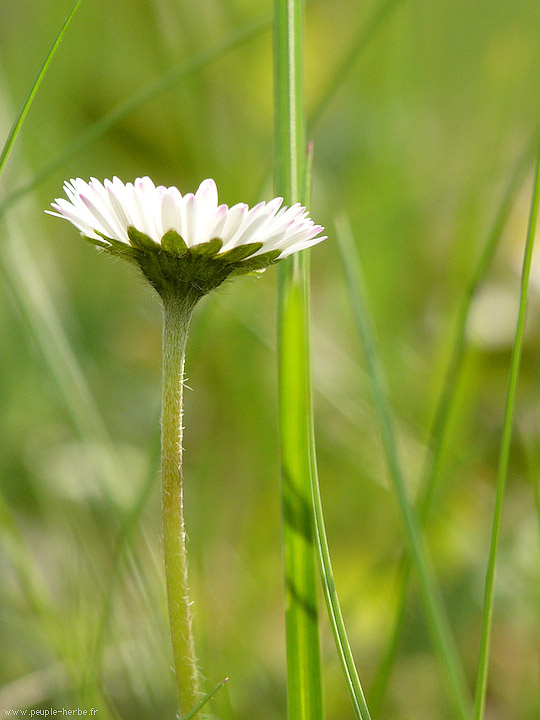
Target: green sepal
[
  {"x": 116, "y": 247},
  {"x": 176, "y": 270},
  {"x": 259, "y": 262},
  {"x": 208, "y": 249},
  {"x": 140, "y": 240},
  {"x": 241, "y": 252},
  {"x": 174, "y": 243},
  {"x": 95, "y": 241}
]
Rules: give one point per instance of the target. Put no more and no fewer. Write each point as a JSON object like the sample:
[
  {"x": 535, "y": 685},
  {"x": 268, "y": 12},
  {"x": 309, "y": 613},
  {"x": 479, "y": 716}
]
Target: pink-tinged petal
[
  {"x": 207, "y": 195},
  {"x": 273, "y": 205},
  {"x": 118, "y": 205},
  {"x": 235, "y": 218},
  {"x": 74, "y": 219},
  {"x": 171, "y": 213},
  {"x": 220, "y": 216},
  {"x": 110, "y": 207},
  {"x": 144, "y": 197},
  {"x": 298, "y": 247},
  {"x": 101, "y": 223},
  {"x": 189, "y": 207}
]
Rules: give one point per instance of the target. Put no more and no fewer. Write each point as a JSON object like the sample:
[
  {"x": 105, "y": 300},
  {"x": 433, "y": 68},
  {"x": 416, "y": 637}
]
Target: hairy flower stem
[{"x": 177, "y": 313}]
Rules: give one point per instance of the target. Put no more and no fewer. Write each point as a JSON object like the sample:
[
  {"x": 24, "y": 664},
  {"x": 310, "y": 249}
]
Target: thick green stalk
[
  {"x": 502, "y": 473},
  {"x": 177, "y": 314},
  {"x": 304, "y": 684}
]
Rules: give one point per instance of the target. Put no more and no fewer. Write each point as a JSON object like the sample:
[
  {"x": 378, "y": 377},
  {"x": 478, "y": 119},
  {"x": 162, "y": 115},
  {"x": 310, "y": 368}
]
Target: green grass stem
[
  {"x": 502, "y": 473},
  {"x": 435, "y": 613},
  {"x": 304, "y": 681}
]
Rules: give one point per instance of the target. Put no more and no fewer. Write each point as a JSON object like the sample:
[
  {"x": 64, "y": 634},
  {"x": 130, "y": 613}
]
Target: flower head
[{"x": 187, "y": 240}]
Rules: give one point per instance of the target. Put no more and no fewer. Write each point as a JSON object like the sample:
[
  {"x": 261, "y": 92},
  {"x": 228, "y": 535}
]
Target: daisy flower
[
  {"x": 188, "y": 239},
  {"x": 186, "y": 245}
]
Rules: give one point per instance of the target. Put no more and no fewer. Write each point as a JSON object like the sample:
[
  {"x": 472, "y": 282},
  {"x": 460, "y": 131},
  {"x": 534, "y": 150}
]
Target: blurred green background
[{"x": 416, "y": 145}]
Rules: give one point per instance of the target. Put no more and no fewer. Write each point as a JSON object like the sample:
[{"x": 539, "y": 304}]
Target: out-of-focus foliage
[{"x": 415, "y": 146}]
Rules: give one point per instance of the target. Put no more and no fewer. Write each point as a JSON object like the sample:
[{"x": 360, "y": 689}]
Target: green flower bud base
[{"x": 173, "y": 268}]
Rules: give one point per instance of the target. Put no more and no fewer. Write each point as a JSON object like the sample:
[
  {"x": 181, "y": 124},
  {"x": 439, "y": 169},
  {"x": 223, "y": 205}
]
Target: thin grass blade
[
  {"x": 124, "y": 541},
  {"x": 191, "y": 714},
  {"x": 335, "y": 615},
  {"x": 323, "y": 552},
  {"x": 502, "y": 473},
  {"x": 17, "y": 124},
  {"x": 435, "y": 613}
]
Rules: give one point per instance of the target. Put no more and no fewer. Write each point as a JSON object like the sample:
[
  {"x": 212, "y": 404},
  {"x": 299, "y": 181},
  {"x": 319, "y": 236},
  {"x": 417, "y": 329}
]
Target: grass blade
[
  {"x": 304, "y": 682},
  {"x": 335, "y": 615},
  {"x": 444, "y": 408},
  {"x": 433, "y": 605},
  {"x": 191, "y": 714},
  {"x": 502, "y": 473},
  {"x": 17, "y": 124}
]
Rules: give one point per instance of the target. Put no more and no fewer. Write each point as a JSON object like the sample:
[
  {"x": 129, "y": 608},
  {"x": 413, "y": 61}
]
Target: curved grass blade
[
  {"x": 333, "y": 606},
  {"x": 335, "y": 615},
  {"x": 433, "y": 605},
  {"x": 444, "y": 408},
  {"x": 502, "y": 473},
  {"x": 304, "y": 681},
  {"x": 12, "y": 136}
]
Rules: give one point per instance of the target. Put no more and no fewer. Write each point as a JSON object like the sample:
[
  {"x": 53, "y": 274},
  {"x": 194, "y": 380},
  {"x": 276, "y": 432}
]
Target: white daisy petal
[
  {"x": 207, "y": 194},
  {"x": 171, "y": 211},
  {"x": 235, "y": 217},
  {"x": 189, "y": 207},
  {"x": 220, "y": 216}
]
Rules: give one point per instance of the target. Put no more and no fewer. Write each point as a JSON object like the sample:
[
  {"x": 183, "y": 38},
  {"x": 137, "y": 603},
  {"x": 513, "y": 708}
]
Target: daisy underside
[
  {"x": 185, "y": 245},
  {"x": 171, "y": 263}
]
